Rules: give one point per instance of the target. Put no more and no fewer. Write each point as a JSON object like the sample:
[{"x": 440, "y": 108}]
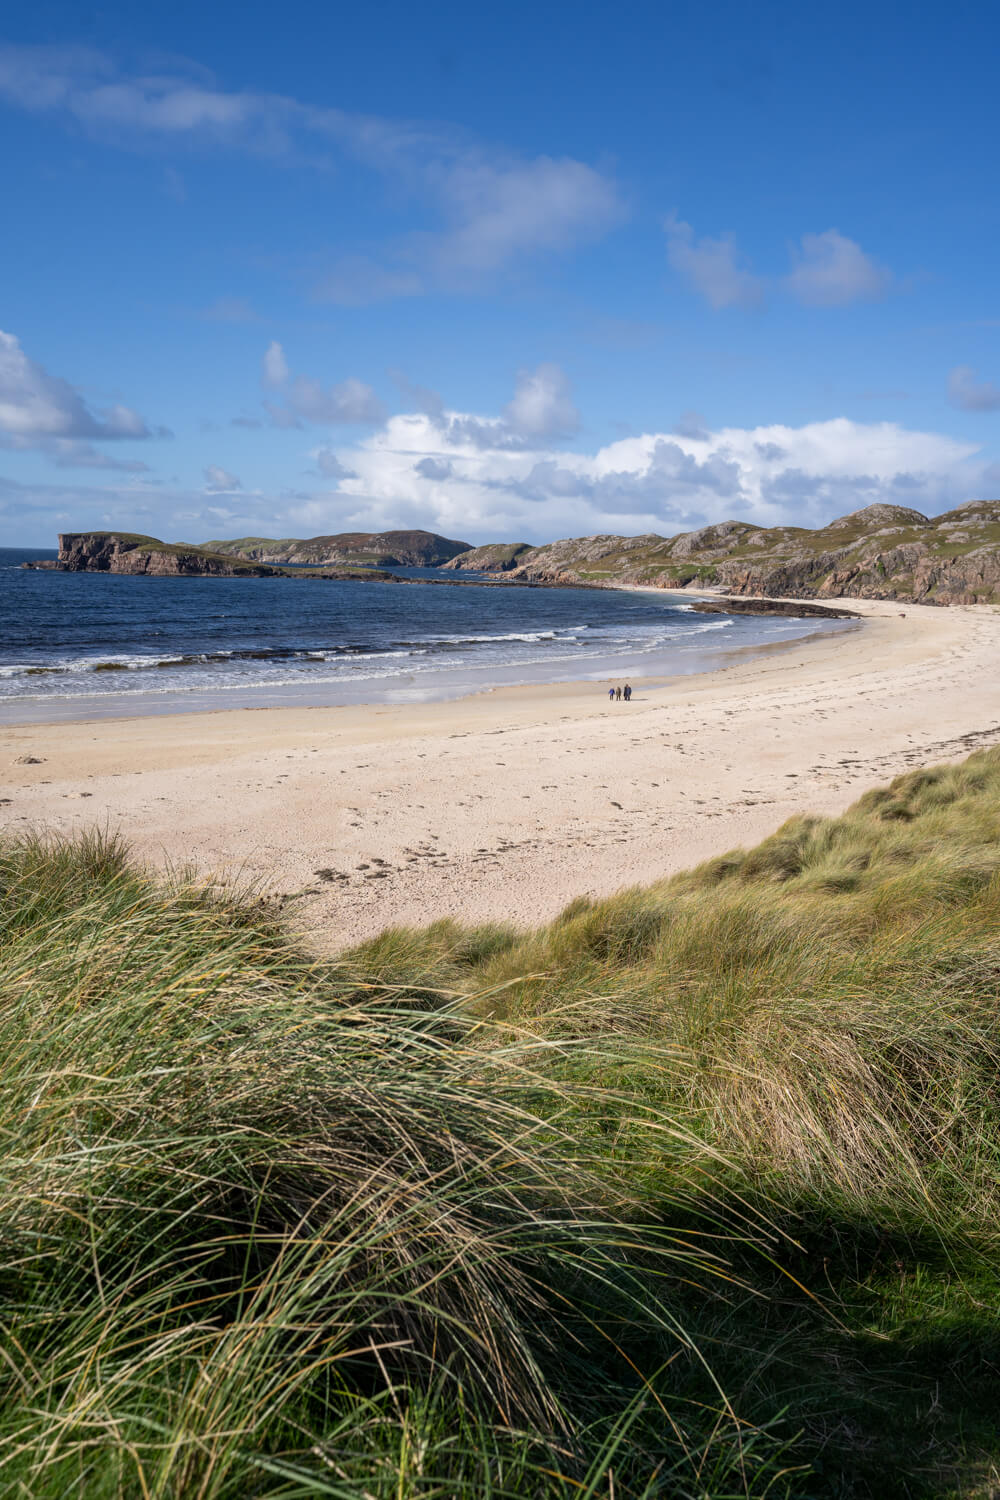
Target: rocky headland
[
  {"x": 127, "y": 552},
  {"x": 880, "y": 552}
]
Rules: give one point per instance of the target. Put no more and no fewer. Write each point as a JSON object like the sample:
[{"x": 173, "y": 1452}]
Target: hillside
[
  {"x": 381, "y": 549},
  {"x": 493, "y": 557},
  {"x": 881, "y": 552}
]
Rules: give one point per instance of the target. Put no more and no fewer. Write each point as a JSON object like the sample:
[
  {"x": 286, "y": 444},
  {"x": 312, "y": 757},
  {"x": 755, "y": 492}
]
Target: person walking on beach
[
  {"x": 611, "y": 695},
  {"x": 627, "y": 693},
  {"x": 618, "y": 695}
]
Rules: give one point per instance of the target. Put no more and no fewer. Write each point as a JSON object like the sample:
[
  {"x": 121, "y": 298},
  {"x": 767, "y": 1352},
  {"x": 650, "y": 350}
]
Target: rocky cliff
[
  {"x": 381, "y": 549},
  {"x": 126, "y": 552},
  {"x": 881, "y": 552}
]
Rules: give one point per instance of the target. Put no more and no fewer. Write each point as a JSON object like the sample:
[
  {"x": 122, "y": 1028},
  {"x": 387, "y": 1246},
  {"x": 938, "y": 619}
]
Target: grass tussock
[
  {"x": 693, "y": 1192},
  {"x": 273, "y": 1227}
]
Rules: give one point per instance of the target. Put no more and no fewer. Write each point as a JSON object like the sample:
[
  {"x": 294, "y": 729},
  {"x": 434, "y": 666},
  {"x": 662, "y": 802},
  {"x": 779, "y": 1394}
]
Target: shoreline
[
  {"x": 402, "y": 688},
  {"x": 506, "y": 804}
]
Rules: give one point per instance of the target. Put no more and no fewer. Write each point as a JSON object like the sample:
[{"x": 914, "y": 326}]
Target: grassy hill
[
  {"x": 880, "y": 552},
  {"x": 692, "y": 1192}
]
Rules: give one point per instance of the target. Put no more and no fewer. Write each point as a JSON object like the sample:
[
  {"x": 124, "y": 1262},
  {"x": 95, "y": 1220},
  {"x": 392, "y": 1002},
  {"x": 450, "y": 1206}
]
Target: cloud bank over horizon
[{"x": 512, "y": 477}]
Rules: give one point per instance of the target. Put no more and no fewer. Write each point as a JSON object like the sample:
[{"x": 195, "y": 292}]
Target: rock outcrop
[
  {"x": 493, "y": 557},
  {"x": 880, "y": 552},
  {"x": 792, "y": 609},
  {"x": 380, "y": 549},
  {"x": 126, "y": 552}
]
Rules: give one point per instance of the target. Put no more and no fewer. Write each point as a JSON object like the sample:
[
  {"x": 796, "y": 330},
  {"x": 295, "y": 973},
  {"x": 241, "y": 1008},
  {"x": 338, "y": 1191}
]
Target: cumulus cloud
[
  {"x": 219, "y": 481},
  {"x": 307, "y": 400},
  {"x": 830, "y": 270},
  {"x": 965, "y": 391},
  {"x": 38, "y": 409},
  {"x": 444, "y": 474},
  {"x": 712, "y": 266},
  {"x": 350, "y": 401},
  {"x": 415, "y": 470},
  {"x": 493, "y": 206},
  {"x": 542, "y": 406}
]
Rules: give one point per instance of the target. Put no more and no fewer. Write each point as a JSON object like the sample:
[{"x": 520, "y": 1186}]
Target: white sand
[{"x": 508, "y": 804}]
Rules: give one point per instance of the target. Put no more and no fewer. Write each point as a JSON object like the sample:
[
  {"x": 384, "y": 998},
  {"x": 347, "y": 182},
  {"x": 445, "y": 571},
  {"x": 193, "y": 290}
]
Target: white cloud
[
  {"x": 350, "y": 401},
  {"x": 274, "y": 369},
  {"x": 493, "y": 206},
  {"x": 712, "y": 266},
  {"x": 830, "y": 271},
  {"x": 418, "y": 470},
  {"x": 444, "y": 472},
  {"x": 542, "y": 405},
  {"x": 965, "y": 391},
  {"x": 306, "y": 400},
  {"x": 219, "y": 481},
  {"x": 39, "y": 410},
  {"x": 501, "y": 210}
]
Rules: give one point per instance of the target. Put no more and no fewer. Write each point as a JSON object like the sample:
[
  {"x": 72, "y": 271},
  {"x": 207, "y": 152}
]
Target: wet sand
[{"x": 507, "y": 805}]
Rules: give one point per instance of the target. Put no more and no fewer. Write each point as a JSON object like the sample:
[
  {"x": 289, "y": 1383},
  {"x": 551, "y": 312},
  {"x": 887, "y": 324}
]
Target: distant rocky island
[
  {"x": 353, "y": 555},
  {"x": 880, "y": 552}
]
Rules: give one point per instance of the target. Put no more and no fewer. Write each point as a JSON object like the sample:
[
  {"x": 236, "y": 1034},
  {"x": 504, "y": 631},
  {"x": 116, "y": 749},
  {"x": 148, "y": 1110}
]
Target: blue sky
[{"x": 504, "y": 272}]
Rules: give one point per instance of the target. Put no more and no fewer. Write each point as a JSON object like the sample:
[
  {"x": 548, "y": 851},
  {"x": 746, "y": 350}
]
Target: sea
[{"x": 87, "y": 645}]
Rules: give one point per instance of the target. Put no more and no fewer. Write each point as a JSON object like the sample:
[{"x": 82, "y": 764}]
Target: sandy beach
[{"x": 507, "y": 805}]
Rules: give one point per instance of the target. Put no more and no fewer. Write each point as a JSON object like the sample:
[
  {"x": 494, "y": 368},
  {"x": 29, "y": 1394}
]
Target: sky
[{"x": 512, "y": 272}]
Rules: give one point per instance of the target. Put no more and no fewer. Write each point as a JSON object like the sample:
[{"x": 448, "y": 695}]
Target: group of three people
[{"x": 616, "y": 694}]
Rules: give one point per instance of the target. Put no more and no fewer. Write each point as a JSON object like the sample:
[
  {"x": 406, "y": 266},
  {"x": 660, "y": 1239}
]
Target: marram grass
[
  {"x": 272, "y": 1227},
  {"x": 691, "y": 1193}
]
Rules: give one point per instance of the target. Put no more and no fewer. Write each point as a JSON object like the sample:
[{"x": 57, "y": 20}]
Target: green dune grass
[{"x": 692, "y": 1193}]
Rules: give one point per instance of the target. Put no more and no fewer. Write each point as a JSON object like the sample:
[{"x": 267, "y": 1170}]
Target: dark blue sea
[{"x": 77, "y": 645}]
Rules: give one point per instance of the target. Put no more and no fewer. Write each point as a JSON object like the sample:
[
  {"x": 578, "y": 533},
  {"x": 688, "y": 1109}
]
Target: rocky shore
[
  {"x": 881, "y": 552},
  {"x": 125, "y": 552}
]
